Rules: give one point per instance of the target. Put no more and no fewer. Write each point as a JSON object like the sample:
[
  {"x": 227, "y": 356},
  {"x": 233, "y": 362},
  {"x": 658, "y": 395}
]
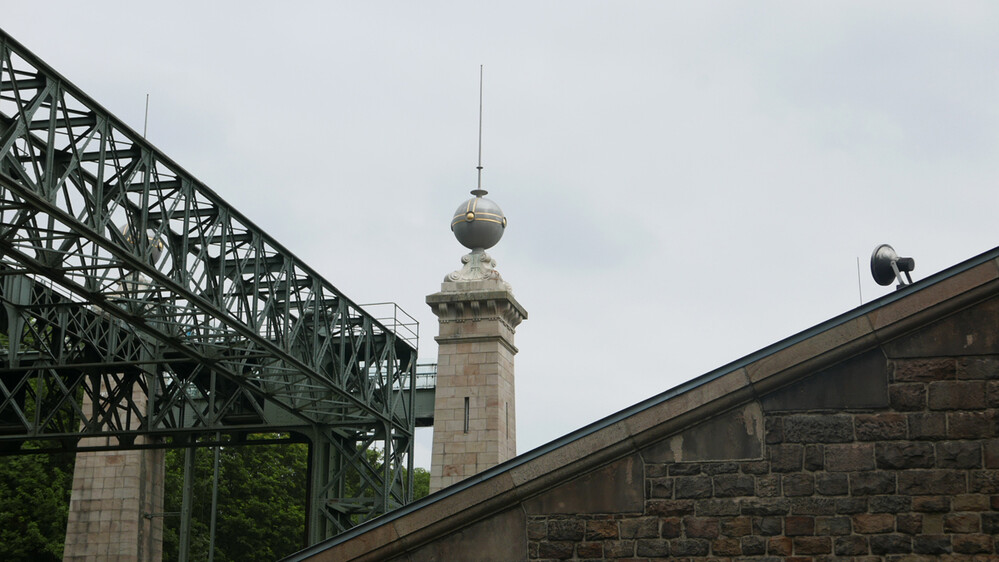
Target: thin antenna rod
[
  {"x": 479, "y": 192},
  {"x": 860, "y": 289},
  {"x": 145, "y": 123}
]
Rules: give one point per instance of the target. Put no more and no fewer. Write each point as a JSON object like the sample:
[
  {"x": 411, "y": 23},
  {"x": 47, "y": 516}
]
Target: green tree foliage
[
  {"x": 261, "y": 502},
  {"x": 421, "y": 483},
  {"x": 34, "y": 503}
]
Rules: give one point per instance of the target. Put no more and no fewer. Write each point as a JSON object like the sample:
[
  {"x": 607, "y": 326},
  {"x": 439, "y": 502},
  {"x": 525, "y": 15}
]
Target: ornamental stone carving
[{"x": 478, "y": 266}]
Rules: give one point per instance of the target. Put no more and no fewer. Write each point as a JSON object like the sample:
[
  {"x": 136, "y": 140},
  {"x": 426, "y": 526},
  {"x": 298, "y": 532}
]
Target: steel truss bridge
[{"x": 136, "y": 303}]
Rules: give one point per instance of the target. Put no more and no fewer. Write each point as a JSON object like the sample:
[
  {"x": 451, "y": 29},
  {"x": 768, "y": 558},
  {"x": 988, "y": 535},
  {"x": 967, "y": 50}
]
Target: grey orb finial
[{"x": 478, "y": 223}]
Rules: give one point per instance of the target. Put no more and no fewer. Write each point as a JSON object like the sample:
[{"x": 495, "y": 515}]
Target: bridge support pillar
[{"x": 116, "y": 506}]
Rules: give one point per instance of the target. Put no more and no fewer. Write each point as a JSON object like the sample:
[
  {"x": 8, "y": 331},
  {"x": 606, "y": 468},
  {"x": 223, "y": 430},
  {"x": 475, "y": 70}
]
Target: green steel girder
[{"x": 137, "y": 302}]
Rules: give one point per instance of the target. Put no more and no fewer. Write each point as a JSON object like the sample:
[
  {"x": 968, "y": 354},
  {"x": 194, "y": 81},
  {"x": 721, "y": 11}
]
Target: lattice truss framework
[{"x": 137, "y": 302}]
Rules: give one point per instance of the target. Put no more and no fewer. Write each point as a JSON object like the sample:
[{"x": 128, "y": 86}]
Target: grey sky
[{"x": 685, "y": 182}]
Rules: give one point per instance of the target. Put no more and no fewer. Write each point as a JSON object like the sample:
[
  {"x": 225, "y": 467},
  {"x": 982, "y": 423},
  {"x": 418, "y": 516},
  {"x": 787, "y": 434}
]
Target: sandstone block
[
  {"x": 847, "y": 506},
  {"x": 639, "y": 527},
  {"x": 983, "y": 482},
  {"x": 956, "y": 395},
  {"x": 597, "y": 530},
  {"x": 832, "y": 526},
  {"x": 684, "y": 469},
  {"x": 909, "y": 523},
  {"x": 931, "y": 504},
  {"x": 832, "y": 484},
  {"x": 923, "y": 370},
  {"x": 726, "y": 547},
  {"x": 701, "y": 527},
  {"x": 814, "y": 457},
  {"x": 619, "y": 549},
  {"x": 881, "y": 426},
  {"x": 907, "y": 397},
  {"x": 962, "y": 523},
  {"x": 768, "y": 526},
  {"x": 927, "y": 426},
  {"x": 902, "y": 455},
  {"x": 991, "y": 453},
  {"x": 978, "y": 368},
  {"x": 970, "y": 425},
  {"x": 739, "y": 526},
  {"x": 990, "y": 523},
  {"x": 689, "y": 547},
  {"x": 785, "y": 457},
  {"x": 768, "y": 486},
  {"x": 799, "y": 526},
  {"x": 716, "y": 508},
  {"x": 972, "y": 544},
  {"x": 850, "y": 546},
  {"x": 670, "y": 527},
  {"x": 593, "y": 550},
  {"x": 720, "y": 468},
  {"x": 890, "y": 544},
  {"x": 931, "y": 544},
  {"x": 872, "y": 523},
  {"x": 931, "y": 482},
  {"x": 872, "y": 483},
  {"x": 536, "y": 529},
  {"x": 765, "y": 507},
  {"x": 659, "y": 487},
  {"x": 959, "y": 454},
  {"x": 693, "y": 487},
  {"x": 812, "y": 545},
  {"x": 780, "y": 546},
  {"x": 669, "y": 507},
  {"x": 850, "y": 457},
  {"x": 752, "y": 546},
  {"x": 555, "y": 550},
  {"x": 652, "y": 548},
  {"x": 890, "y": 504},
  {"x": 832, "y": 428},
  {"x": 798, "y": 484},
  {"x": 565, "y": 530},
  {"x": 731, "y": 485}
]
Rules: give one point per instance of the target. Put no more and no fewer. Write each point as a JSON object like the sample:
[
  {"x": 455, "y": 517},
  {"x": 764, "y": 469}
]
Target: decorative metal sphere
[{"x": 478, "y": 223}]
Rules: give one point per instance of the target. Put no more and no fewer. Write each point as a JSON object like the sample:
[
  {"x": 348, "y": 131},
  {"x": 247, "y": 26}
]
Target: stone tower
[{"x": 474, "y": 410}]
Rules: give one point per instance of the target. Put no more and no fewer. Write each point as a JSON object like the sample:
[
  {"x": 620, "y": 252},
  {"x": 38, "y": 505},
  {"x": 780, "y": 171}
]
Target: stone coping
[{"x": 629, "y": 430}]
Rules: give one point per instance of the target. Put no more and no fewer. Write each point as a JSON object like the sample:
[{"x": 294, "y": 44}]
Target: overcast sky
[{"x": 685, "y": 182}]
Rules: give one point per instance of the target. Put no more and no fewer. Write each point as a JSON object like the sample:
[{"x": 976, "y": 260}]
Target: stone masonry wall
[{"x": 915, "y": 479}]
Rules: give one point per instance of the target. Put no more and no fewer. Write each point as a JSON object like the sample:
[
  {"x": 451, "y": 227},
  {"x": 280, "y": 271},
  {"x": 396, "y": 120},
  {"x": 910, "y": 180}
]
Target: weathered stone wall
[
  {"x": 914, "y": 478},
  {"x": 873, "y": 436}
]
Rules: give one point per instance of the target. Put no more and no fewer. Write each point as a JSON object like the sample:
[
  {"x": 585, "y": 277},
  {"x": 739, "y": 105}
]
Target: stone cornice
[{"x": 475, "y": 306}]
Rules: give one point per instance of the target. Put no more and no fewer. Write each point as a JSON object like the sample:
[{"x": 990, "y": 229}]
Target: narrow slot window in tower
[{"x": 466, "y": 414}]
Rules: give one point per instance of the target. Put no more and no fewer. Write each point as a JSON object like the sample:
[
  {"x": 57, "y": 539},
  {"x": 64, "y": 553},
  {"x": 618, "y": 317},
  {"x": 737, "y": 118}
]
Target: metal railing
[
  {"x": 395, "y": 319},
  {"x": 426, "y": 375}
]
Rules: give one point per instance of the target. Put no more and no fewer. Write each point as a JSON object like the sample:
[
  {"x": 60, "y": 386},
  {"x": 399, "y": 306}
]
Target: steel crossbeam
[{"x": 136, "y": 301}]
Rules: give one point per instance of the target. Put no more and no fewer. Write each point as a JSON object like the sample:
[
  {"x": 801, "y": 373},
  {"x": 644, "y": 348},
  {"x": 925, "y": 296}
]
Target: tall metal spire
[{"x": 478, "y": 191}]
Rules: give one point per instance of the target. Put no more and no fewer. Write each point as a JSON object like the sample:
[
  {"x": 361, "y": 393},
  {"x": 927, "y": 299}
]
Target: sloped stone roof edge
[{"x": 631, "y": 428}]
